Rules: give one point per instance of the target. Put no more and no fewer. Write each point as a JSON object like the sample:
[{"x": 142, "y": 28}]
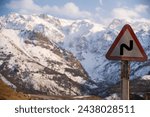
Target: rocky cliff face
[
  {"x": 33, "y": 63},
  {"x": 139, "y": 89}
]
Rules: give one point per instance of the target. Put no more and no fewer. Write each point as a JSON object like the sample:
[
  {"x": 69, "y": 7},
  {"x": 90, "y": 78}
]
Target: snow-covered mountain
[
  {"x": 91, "y": 46},
  {"x": 38, "y": 46},
  {"x": 32, "y": 62}
]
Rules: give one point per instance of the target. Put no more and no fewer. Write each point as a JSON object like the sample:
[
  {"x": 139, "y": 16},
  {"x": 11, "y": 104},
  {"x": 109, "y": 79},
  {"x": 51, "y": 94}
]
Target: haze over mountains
[{"x": 49, "y": 55}]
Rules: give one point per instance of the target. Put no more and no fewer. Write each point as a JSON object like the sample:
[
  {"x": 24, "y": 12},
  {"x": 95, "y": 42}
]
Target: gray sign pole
[{"x": 125, "y": 71}]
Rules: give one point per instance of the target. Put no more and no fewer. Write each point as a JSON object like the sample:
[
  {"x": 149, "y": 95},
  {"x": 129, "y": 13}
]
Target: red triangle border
[{"x": 126, "y": 27}]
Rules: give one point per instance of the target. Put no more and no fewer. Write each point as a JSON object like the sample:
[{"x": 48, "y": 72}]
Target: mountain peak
[{"x": 45, "y": 51}]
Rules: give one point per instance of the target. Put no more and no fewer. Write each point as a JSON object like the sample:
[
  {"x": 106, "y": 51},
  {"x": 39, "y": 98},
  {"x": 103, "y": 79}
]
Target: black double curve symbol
[{"x": 124, "y": 46}]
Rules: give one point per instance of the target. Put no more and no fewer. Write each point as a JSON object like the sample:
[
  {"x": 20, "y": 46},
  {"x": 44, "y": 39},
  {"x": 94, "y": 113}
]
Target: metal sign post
[
  {"x": 125, "y": 71},
  {"x": 126, "y": 47}
]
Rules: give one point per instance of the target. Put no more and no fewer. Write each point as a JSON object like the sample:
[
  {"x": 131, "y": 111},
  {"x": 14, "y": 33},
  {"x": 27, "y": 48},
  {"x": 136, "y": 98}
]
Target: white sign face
[
  {"x": 130, "y": 50},
  {"x": 126, "y": 47}
]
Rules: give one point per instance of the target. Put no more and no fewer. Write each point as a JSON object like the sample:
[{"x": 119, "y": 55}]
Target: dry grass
[{"x": 6, "y": 93}]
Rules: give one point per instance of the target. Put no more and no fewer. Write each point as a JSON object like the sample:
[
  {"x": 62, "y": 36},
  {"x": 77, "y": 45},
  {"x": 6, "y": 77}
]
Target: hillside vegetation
[{"x": 6, "y": 93}]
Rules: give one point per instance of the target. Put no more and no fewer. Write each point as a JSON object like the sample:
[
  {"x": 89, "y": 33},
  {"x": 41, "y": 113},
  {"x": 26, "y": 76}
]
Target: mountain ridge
[{"x": 55, "y": 46}]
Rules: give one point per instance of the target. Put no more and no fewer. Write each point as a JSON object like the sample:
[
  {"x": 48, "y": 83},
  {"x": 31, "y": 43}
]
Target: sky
[{"x": 102, "y": 11}]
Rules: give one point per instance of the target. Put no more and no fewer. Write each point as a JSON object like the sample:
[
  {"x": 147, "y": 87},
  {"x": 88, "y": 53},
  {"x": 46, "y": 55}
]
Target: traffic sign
[{"x": 126, "y": 47}]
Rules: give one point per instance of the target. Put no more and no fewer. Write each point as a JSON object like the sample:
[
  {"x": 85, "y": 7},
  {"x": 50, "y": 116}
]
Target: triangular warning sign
[{"x": 126, "y": 47}]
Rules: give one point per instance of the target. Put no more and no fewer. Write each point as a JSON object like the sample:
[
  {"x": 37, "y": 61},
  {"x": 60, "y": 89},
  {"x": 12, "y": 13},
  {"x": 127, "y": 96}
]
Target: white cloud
[
  {"x": 124, "y": 13},
  {"x": 72, "y": 11},
  {"x": 141, "y": 8},
  {"x": 129, "y": 14},
  {"x": 24, "y": 5},
  {"x": 69, "y": 10}
]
